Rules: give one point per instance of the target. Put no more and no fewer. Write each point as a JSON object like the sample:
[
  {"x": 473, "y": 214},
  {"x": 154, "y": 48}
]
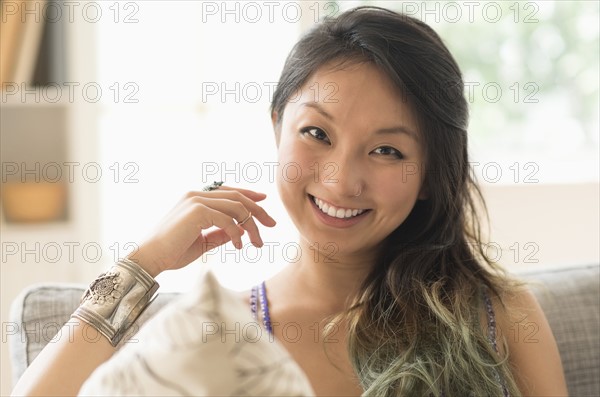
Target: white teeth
[{"x": 336, "y": 212}]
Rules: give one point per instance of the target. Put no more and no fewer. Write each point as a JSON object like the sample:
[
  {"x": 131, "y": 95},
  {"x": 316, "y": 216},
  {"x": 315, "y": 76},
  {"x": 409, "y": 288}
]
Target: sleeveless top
[{"x": 258, "y": 297}]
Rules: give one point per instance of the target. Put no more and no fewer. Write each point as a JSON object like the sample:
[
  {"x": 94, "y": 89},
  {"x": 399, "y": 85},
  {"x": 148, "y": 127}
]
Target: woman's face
[{"x": 349, "y": 144}]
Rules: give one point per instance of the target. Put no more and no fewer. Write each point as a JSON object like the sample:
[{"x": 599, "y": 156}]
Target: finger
[
  {"x": 214, "y": 217},
  {"x": 233, "y": 195},
  {"x": 253, "y": 232},
  {"x": 251, "y": 194},
  {"x": 238, "y": 211},
  {"x": 215, "y": 238},
  {"x": 254, "y": 196}
]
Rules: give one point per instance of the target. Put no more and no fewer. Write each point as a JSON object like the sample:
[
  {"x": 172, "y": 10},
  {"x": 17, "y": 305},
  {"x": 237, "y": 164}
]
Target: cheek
[
  {"x": 290, "y": 170},
  {"x": 295, "y": 161},
  {"x": 400, "y": 188},
  {"x": 411, "y": 174}
]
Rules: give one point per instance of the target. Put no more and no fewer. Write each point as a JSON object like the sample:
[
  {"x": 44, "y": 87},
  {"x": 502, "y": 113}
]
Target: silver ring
[
  {"x": 245, "y": 220},
  {"x": 213, "y": 186}
]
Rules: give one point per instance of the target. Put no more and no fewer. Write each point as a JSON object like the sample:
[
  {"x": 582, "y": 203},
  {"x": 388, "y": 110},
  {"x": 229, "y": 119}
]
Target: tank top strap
[
  {"x": 254, "y": 302},
  {"x": 491, "y": 317}
]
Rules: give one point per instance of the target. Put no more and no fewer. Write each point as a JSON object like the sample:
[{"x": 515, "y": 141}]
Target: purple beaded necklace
[{"x": 258, "y": 296}]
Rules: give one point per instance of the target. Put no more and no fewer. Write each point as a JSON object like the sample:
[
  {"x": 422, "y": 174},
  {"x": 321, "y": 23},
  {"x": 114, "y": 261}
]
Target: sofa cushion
[{"x": 570, "y": 298}]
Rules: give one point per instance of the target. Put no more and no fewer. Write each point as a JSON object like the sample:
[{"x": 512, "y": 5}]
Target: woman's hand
[{"x": 181, "y": 238}]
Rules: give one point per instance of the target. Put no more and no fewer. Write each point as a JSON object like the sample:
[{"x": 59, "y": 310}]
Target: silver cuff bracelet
[{"x": 115, "y": 299}]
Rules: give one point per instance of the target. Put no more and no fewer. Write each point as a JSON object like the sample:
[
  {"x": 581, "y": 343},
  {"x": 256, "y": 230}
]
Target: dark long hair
[{"x": 414, "y": 325}]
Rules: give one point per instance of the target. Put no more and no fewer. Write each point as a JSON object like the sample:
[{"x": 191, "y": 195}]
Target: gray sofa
[{"x": 571, "y": 302}]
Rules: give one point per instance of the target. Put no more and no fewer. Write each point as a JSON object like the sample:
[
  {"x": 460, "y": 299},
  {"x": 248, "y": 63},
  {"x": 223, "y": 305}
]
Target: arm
[
  {"x": 533, "y": 352},
  {"x": 64, "y": 365}
]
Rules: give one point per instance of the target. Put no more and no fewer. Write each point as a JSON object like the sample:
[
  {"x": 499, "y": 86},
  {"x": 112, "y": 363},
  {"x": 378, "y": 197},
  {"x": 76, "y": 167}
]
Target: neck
[{"x": 324, "y": 278}]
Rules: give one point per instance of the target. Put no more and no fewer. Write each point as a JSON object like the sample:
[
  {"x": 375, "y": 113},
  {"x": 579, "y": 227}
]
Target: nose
[{"x": 343, "y": 175}]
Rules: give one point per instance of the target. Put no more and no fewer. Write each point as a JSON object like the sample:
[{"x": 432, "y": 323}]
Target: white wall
[{"x": 548, "y": 224}]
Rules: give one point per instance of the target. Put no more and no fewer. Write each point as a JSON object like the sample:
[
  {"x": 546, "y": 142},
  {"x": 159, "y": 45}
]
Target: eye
[
  {"x": 387, "y": 151},
  {"x": 316, "y": 133}
]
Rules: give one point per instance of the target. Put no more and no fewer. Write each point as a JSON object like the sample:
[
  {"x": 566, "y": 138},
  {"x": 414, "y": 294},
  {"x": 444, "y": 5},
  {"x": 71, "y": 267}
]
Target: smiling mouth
[{"x": 337, "y": 212}]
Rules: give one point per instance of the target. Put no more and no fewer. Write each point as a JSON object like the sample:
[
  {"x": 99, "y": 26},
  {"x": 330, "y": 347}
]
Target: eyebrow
[{"x": 400, "y": 129}]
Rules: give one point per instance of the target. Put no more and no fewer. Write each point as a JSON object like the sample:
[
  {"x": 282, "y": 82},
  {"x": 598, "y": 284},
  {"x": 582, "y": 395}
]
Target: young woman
[{"x": 370, "y": 107}]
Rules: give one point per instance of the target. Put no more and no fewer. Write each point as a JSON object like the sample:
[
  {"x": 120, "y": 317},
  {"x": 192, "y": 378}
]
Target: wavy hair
[{"x": 414, "y": 326}]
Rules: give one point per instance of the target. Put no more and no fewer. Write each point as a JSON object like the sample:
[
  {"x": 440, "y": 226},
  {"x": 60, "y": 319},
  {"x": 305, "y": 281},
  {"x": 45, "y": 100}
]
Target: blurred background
[{"x": 111, "y": 111}]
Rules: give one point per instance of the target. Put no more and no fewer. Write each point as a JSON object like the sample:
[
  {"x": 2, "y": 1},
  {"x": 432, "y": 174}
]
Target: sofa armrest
[
  {"x": 41, "y": 310},
  {"x": 570, "y": 298}
]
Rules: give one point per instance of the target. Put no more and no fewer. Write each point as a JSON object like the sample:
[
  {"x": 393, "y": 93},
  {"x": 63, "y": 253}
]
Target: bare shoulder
[{"x": 524, "y": 331}]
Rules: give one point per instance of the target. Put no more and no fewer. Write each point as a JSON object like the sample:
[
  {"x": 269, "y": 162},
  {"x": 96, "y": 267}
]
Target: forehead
[{"x": 354, "y": 93}]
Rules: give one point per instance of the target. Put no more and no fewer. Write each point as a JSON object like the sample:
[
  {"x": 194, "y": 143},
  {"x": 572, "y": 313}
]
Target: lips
[{"x": 336, "y": 212}]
